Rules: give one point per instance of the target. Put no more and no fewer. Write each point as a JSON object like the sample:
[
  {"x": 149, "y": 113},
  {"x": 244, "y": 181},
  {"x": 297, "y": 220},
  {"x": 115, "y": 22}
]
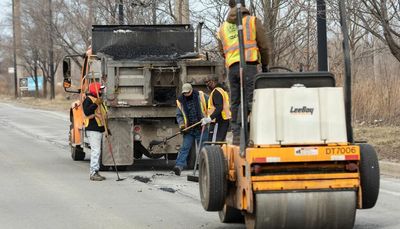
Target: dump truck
[
  {"x": 143, "y": 68},
  {"x": 298, "y": 165}
]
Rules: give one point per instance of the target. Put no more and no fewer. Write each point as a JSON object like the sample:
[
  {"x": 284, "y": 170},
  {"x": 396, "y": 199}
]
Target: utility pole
[
  {"x": 121, "y": 12},
  {"x": 51, "y": 52},
  {"x": 18, "y": 70},
  {"x": 15, "y": 51}
]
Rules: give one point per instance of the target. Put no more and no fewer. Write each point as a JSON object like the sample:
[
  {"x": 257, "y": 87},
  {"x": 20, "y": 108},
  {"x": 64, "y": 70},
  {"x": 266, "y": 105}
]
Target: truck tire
[
  {"x": 172, "y": 156},
  {"x": 140, "y": 149},
  {"x": 370, "y": 176},
  {"x": 212, "y": 178},
  {"x": 229, "y": 214},
  {"x": 77, "y": 153},
  {"x": 191, "y": 159}
]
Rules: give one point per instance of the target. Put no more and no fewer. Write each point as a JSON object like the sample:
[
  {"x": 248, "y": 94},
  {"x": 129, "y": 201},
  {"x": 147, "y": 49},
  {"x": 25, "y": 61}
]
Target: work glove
[
  {"x": 265, "y": 68},
  {"x": 182, "y": 129},
  {"x": 205, "y": 121}
]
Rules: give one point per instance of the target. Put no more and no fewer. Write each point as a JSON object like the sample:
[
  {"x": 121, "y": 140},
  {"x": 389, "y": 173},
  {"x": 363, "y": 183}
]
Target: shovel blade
[{"x": 193, "y": 178}]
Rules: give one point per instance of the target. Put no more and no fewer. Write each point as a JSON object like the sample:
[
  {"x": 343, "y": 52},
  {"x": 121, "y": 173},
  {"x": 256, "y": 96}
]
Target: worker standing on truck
[
  {"x": 219, "y": 113},
  {"x": 191, "y": 109},
  {"x": 257, "y": 49},
  {"x": 95, "y": 112}
]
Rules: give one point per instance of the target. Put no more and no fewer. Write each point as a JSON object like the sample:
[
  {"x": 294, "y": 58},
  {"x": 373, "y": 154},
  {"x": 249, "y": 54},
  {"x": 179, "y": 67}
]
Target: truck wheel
[
  {"x": 172, "y": 156},
  {"x": 77, "y": 153},
  {"x": 229, "y": 214},
  {"x": 191, "y": 159},
  {"x": 212, "y": 178},
  {"x": 140, "y": 149},
  {"x": 370, "y": 178}
]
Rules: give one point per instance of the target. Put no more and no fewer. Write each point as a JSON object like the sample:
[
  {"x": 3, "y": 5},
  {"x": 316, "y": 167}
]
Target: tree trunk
[
  {"x": 51, "y": 51},
  {"x": 182, "y": 11},
  {"x": 154, "y": 11}
]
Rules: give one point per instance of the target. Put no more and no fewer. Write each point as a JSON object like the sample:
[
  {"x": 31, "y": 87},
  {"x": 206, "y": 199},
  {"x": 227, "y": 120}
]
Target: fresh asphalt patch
[{"x": 142, "y": 179}]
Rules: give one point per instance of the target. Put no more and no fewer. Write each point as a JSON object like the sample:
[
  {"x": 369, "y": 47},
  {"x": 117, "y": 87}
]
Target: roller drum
[{"x": 308, "y": 210}]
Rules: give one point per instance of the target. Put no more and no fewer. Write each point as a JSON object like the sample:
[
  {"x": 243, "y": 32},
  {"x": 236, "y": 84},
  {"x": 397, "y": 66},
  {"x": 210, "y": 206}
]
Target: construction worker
[
  {"x": 95, "y": 112},
  {"x": 256, "y": 50},
  {"x": 219, "y": 113},
  {"x": 191, "y": 108}
]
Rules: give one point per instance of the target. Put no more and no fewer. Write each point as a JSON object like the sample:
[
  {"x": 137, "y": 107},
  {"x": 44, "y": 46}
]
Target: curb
[{"x": 389, "y": 168}]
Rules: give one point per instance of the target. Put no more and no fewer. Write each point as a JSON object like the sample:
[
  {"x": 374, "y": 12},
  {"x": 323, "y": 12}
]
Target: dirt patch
[{"x": 385, "y": 139}]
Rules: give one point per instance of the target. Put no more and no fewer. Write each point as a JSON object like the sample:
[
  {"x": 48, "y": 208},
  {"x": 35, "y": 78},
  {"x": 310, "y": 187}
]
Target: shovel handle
[
  {"x": 180, "y": 132},
  {"x": 190, "y": 127}
]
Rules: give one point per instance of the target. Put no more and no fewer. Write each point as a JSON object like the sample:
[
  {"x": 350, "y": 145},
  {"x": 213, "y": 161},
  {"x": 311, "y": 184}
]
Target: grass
[{"x": 385, "y": 139}]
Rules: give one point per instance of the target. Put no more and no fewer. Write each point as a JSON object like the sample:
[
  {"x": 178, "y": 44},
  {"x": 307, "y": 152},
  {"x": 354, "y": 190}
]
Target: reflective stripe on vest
[
  {"x": 226, "y": 112},
  {"x": 203, "y": 107},
  {"x": 97, "y": 113},
  {"x": 229, "y": 36}
]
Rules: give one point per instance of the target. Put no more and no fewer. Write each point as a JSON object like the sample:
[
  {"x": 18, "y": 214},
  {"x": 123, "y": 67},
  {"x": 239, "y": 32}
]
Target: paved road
[{"x": 41, "y": 187}]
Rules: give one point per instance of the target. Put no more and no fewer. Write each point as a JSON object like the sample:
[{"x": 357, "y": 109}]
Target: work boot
[
  {"x": 97, "y": 177},
  {"x": 101, "y": 176},
  {"x": 177, "y": 170}
]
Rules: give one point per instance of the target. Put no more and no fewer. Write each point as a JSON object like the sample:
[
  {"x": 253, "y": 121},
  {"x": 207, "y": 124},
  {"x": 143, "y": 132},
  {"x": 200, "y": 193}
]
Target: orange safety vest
[
  {"x": 228, "y": 34},
  {"x": 203, "y": 107},
  {"x": 101, "y": 110},
  {"x": 226, "y": 112}
]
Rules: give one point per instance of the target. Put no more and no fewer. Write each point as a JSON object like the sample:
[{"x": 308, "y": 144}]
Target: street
[{"x": 41, "y": 187}]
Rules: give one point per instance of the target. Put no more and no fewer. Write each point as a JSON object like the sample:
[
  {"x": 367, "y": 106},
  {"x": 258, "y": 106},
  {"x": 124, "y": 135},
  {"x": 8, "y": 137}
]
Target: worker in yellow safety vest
[
  {"x": 257, "y": 50},
  {"x": 191, "y": 108},
  {"x": 95, "y": 112},
  {"x": 219, "y": 113}
]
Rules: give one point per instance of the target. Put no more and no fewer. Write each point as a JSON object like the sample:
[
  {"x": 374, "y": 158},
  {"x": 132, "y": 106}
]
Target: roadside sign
[
  {"x": 23, "y": 83},
  {"x": 32, "y": 85},
  {"x": 11, "y": 70}
]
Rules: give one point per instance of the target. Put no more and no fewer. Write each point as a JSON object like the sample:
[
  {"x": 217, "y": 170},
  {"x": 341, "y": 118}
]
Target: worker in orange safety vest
[
  {"x": 219, "y": 113},
  {"x": 257, "y": 50}
]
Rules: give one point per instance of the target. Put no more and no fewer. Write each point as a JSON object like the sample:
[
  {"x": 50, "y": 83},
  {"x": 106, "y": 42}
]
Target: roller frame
[{"x": 244, "y": 185}]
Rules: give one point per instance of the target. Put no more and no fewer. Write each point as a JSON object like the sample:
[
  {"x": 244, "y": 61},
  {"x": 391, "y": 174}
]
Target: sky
[{"x": 5, "y": 6}]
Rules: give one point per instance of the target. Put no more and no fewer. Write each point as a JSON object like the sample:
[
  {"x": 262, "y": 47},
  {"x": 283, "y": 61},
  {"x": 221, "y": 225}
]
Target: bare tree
[{"x": 381, "y": 19}]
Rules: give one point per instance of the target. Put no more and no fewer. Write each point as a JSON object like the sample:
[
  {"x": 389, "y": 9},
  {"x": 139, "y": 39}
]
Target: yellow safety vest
[
  {"x": 203, "y": 107},
  {"x": 226, "y": 112},
  {"x": 228, "y": 34},
  {"x": 101, "y": 110}
]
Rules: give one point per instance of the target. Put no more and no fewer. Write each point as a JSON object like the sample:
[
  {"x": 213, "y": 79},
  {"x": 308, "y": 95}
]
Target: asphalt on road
[{"x": 41, "y": 187}]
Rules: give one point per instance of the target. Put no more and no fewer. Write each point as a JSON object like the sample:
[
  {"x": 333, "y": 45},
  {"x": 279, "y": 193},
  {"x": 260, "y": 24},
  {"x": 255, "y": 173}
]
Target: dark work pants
[
  {"x": 234, "y": 82},
  {"x": 222, "y": 129}
]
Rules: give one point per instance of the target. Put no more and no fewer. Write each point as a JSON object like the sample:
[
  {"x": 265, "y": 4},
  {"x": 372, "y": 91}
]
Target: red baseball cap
[{"x": 95, "y": 88}]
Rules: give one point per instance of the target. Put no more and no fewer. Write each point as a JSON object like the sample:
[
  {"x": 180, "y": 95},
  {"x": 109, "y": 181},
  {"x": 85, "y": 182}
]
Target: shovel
[
  {"x": 193, "y": 177},
  {"x": 156, "y": 142}
]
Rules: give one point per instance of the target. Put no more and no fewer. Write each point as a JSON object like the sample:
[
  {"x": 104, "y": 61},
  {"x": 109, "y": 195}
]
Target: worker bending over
[
  {"x": 219, "y": 113},
  {"x": 191, "y": 109},
  {"x": 95, "y": 112},
  {"x": 256, "y": 50}
]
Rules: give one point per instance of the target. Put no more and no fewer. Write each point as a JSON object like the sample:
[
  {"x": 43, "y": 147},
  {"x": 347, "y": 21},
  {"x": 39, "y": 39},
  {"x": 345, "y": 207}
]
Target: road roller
[{"x": 297, "y": 165}]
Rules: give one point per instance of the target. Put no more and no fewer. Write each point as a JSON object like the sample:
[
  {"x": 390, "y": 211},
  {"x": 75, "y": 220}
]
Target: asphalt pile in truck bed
[{"x": 152, "y": 53}]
